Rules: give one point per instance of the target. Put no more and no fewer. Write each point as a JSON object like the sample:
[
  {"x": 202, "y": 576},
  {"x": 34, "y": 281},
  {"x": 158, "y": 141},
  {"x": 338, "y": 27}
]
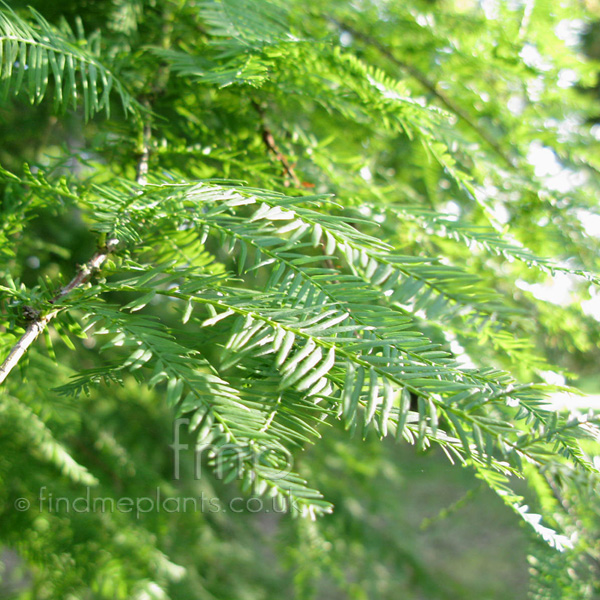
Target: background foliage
[{"x": 317, "y": 233}]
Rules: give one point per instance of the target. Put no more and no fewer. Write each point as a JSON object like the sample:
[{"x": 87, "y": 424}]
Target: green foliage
[
  {"x": 308, "y": 233},
  {"x": 31, "y": 53}
]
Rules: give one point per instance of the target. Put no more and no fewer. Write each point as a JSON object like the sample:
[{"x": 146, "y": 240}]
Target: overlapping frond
[{"x": 320, "y": 333}]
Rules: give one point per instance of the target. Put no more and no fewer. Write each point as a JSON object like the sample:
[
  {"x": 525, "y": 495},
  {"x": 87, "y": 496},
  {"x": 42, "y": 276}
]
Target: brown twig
[
  {"x": 269, "y": 141},
  {"x": 429, "y": 85},
  {"x": 39, "y": 324}
]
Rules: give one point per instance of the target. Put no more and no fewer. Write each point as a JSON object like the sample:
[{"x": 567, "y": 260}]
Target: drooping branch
[{"x": 430, "y": 86}]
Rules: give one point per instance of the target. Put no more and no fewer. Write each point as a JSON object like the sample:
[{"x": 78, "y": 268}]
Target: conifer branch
[
  {"x": 83, "y": 275},
  {"x": 265, "y": 321},
  {"x": 86, "y": 271}
]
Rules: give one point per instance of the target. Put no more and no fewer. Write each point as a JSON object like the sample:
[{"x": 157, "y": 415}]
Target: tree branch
[
  {"x": 39, "y": 324},
  {"x": 86, "y": 271},
  {"x": 430, "y": 86},
  {"x": 82, "y": 276}
]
